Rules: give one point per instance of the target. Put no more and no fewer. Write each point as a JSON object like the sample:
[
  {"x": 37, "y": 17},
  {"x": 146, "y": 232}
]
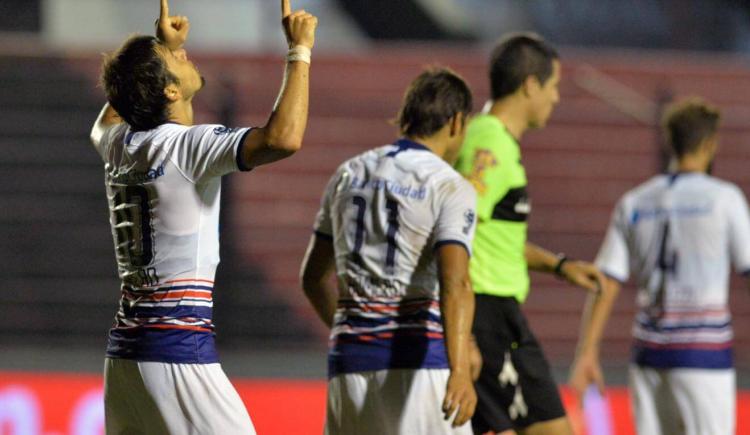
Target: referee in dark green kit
[{"x": 516, "y": 390}]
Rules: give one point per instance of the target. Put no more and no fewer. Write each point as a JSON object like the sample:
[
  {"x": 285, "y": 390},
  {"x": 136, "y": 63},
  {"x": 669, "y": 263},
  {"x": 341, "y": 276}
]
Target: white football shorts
[
  {"x": 180, "y": 399},
  {"x": 394, "y": 402},
  {"x": 683, "y": 401}
]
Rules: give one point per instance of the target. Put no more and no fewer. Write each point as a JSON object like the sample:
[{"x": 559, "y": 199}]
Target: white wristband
[{"x": 299, "y": 53}]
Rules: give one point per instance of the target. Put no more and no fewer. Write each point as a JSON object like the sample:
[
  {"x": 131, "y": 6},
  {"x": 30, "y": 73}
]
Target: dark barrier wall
[
  {"x": 20, "y": 16},
  {"x": 718, "y": 25}
]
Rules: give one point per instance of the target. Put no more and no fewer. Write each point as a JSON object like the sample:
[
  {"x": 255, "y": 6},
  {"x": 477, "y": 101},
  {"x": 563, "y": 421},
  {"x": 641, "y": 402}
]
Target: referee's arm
[{"x": 579, "y": 273}]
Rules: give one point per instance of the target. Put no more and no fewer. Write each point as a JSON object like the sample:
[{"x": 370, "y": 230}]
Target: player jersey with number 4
[
  {"x": 387, "y": 210},
  {"x": 163, "y": 187},
  {"x": 684, "y": 230}
]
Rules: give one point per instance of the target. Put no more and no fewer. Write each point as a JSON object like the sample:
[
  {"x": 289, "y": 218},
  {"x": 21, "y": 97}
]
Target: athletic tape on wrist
[{"x": 299, "y": 53}]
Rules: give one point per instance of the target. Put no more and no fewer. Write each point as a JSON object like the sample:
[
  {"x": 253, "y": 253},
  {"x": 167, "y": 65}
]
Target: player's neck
[
  {"x": 181, "y": 112},
  {"x": 436, "y": 143},
  {"x": 692, "y": 163},
  {"x": 514, "y": 120}
]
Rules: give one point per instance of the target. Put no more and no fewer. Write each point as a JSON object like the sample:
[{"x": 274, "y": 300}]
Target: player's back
[
  {"x": 384, "y": 214},
  {"x": 156, "y": 211},
  {"x": 681, "y": 231},
  {"x": 387, "y": 211},
  {"x": 163, "y": 188},
  {"x": 679, "y": 235}
]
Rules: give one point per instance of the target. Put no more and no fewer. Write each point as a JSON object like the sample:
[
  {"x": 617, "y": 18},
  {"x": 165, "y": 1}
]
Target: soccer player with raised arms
[
  {"x": 162, "y": 175},
  {"x": 677, "y": 235},
  {"x": 516, "y": 390},
  {"x": 395, "y": 226}
]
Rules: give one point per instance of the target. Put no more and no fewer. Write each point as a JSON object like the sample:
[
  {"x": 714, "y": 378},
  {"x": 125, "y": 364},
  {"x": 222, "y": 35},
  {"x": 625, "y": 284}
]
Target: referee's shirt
[{"x": 491, "y": 160}]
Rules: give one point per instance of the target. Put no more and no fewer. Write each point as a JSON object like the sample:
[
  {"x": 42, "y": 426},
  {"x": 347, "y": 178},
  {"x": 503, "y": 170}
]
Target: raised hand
[
  {"x": 299, "y": 26},
  {"x": 172, "y": 31}
]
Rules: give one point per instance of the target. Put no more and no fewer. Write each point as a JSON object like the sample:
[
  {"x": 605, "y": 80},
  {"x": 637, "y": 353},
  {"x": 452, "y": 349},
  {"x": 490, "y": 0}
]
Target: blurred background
[{"x": 622, "y": 61}]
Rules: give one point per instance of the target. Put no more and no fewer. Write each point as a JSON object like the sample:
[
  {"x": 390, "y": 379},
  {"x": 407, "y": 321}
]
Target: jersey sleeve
[
  {"x": 323, "y": 225},
  {"x": 206, "y": 151},
  {"x": 739, "y": 230},
  {"x": 614, "y": 258},
  {"x": 456, "y": 219}
]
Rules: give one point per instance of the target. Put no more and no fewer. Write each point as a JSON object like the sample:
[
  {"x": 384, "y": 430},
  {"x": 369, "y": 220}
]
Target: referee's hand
[
  {"x": 583, "y": 274},
  {"x": 299, "y": 26},
  {"x": 460, "y": 398}
]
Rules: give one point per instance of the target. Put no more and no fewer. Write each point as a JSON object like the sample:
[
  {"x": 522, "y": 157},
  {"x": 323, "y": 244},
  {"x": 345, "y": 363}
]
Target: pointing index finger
[
  {"x": 164, "y": 12},
  {"x": 286, "y": 8}
]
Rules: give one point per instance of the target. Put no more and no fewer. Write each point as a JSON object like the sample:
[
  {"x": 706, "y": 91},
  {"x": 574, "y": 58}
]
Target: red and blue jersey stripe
[
  {"x": 684, "y": 337},
  {"x": 167, "y": 322},
  {"x": 386, "y": 333}
]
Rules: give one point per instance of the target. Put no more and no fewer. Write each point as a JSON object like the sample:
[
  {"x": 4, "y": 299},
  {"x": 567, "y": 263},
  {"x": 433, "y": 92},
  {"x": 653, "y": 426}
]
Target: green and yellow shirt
[{"x": 491, "y": 160}]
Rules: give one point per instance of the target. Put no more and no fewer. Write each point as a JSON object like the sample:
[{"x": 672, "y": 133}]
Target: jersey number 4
[
  {"x": 667, "y": 261},
  {"x": 390, "y": 236},
  {"x": 667, "y": 264}
]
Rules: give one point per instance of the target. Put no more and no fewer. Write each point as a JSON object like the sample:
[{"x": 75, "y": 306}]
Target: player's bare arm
[
  {"x": 457, "y": 306},
  {"x": 282, "y": 134},
  {"x": 579, "y": 273},
  {"x": 107, "y": 118},
  {"x": 317, "y": 268},
  {"x": 586, "y": 369}
]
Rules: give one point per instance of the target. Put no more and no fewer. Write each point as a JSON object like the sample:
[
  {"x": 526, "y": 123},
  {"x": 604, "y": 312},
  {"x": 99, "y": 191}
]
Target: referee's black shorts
[{"x": 515, "y": 388}]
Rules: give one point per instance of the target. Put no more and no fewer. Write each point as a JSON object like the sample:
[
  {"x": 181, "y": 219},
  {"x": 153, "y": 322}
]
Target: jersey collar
[
  {"x": 404, "y": 144},
  {"x": 672, "y": 176}
]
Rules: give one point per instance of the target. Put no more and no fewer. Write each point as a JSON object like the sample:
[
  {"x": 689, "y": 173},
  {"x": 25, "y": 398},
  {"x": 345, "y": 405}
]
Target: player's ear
[
  {"x": 530, "y": 86},
  {"x": 457, "y": 124},
  {"x": 172, "y": 92},
  {"x": 452, "y": 126}
]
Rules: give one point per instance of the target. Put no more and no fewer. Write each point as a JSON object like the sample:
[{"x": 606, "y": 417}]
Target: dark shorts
[{"x": 515, "y": 388}]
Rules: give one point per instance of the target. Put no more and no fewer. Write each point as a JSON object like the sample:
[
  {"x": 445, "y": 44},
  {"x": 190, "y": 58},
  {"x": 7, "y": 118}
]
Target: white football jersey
[
  {"x": 678, "y": 235},
  {"x": 163, "y": 188},
  {"x": 387, "y": 210}
]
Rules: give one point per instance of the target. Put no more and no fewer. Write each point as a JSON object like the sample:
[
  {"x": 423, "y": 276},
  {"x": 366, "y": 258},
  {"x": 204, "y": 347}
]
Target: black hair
[
  {"x": 515, "y": 58},
  {"x": 687, "y": 123},
  {"x": 432, "y": 99},
  {"x": 134, "y": 78}
]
